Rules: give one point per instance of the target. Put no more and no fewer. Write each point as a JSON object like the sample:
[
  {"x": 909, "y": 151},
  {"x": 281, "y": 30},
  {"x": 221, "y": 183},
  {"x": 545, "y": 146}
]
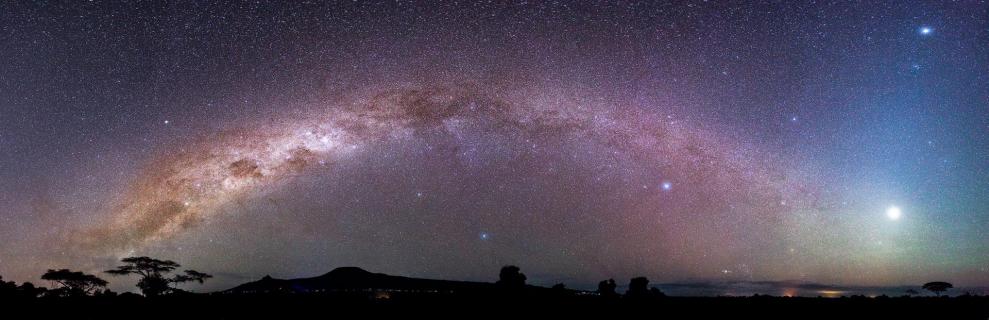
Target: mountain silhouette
[{"x": 348, "y": 279}]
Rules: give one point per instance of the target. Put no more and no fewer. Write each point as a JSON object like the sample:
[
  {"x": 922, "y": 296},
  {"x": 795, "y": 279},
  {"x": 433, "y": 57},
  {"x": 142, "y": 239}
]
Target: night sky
[{"x": 702, "y": 142}]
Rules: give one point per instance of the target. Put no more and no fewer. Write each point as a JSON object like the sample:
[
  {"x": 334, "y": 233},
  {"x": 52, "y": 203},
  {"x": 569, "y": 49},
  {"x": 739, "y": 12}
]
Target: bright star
[
  {"x": 484, "y": 236},
  {"x": 926, "y": 30},
  {"x": 667, "y": 186},
  {"x": 893, "y": 213}
]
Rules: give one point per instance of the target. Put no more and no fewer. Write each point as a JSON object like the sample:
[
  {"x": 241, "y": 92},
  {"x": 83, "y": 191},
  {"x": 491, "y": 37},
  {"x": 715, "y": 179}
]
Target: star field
[{"x": 838, "y": 143}]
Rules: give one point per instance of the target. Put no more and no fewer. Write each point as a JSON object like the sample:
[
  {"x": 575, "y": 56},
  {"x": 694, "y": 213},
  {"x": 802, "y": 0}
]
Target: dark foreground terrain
[
  {"x": 348, "y": 305},
  {"x": 351, "y": 292}
]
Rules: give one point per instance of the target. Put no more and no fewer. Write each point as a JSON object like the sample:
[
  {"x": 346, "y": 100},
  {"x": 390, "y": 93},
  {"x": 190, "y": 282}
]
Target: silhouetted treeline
[{"x": 75, "y": 294}]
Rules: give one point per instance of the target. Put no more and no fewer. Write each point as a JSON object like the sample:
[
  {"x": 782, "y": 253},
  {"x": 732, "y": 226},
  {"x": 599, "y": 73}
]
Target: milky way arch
[{"x": 179, "y": 190}]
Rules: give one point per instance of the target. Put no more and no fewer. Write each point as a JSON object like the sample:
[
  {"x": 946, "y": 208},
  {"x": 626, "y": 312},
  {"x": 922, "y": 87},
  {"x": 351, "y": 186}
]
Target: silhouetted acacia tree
[
  {"x": 73, "y": 283},
  {"x": 154, "y": 281},
  {"x": 606, "y": 288},
  {"x": 511, "y": 277},
  {"x": 937, "y": 287}
]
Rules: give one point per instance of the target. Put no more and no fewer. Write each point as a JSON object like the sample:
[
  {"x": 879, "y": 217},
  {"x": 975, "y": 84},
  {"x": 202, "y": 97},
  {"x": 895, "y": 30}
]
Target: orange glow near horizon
[{"x": 831, "y": 293}]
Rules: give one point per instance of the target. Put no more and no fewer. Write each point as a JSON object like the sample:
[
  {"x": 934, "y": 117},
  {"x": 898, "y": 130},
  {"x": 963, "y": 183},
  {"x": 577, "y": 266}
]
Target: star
[
  {"x": 666, "y": 186},
  {"x": 925, "y": 30},
  {"x": 893, "y": 213}
]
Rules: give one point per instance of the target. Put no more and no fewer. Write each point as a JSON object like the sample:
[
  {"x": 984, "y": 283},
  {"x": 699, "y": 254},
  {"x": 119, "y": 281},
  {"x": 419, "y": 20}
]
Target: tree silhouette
[
  {"x": 154, "y": 281},
  {"x": 7, "y": 288},
  {"x": 107, "y": 293},
  {"x": 937, "y": 287},
  {"x": 511, "y": 277},
  {"x": 25, "y": 290},
  {"x": 656, "y": 293},
  {"x": 73, "y": 283},
  {"x": 28, "y": 289},
  {"x": 606, "y": 288},
  {"x": 638, "y": 287},
  {"x": 192, "y": 275}
]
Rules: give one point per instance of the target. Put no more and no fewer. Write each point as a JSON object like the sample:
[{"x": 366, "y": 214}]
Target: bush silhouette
[
  {"x": 511, "y": 277},
  {"x": 7, "y": 288},
  {"x": 606, "y": 288},
  {"x": 638, "y": 287},
  {"x": 28, "y": 289},
  {"x": 656, "y": 293}
]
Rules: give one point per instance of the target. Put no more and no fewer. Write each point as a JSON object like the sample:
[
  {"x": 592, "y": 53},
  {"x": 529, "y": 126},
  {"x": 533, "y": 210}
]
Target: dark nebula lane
[{"x": 183, "y": 189}]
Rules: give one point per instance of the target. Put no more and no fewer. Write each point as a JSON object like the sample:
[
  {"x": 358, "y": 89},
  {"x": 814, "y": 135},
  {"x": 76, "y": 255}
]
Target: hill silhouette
[{"x": 351, "y": 279}]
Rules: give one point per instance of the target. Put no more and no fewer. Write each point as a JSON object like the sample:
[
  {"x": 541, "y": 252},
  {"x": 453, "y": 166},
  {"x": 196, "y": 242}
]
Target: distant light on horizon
[{"x": 831, "y": 293}]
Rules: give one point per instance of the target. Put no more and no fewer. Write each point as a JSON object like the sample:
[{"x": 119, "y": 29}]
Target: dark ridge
[{"x": 354, "y": 279}]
